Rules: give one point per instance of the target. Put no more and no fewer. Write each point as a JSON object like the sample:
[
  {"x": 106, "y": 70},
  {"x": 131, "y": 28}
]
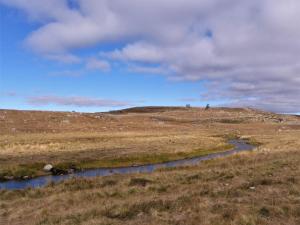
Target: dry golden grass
[
  {"x": 251, "y": 188},
  {"x": 261, "y": 187}
]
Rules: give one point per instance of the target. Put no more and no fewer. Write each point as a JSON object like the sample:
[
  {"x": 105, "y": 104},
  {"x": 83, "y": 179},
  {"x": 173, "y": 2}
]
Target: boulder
[{"x": 48, "y": 167}]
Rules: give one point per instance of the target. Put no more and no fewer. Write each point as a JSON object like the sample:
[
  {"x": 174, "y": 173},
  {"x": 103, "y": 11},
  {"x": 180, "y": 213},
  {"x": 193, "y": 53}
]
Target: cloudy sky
[{"x": 95, "y": 55}]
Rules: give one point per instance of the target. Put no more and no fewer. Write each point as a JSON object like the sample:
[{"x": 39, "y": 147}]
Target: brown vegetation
[
  {"x": 261, "y": 187},
  {"x": 252, "y": 188}
]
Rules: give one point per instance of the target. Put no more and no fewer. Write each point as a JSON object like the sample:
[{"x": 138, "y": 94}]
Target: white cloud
[
  {"x": 75, "y": 101},
  {"x": 140, "y": 52},
  {"x": 148, "y": 69},
  {"x": 97, "y": 64},
  {"x": 244, "y": 49}
]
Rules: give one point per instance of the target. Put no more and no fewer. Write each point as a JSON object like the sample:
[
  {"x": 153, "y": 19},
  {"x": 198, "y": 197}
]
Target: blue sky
[
  {"x": 103, "y": 55},
  {"x": 24, "y": 75}
]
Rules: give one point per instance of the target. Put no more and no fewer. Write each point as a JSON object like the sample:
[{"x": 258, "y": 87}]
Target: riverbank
[
  {"x": 238, "y": 146},
  {"x": 33, "y": 169}
]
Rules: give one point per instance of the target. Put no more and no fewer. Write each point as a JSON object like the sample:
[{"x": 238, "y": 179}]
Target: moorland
[{"x": 258, "y": 187}]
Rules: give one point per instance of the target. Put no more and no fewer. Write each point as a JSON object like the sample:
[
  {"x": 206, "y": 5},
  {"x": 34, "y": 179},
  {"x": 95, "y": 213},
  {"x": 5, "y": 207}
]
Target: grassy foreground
[{"x": 246, "y": 189}]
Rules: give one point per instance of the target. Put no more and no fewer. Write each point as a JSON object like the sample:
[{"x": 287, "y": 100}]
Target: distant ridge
[
  {"x": 148, "y": 109},
  {"x": 157, "y": 109}
]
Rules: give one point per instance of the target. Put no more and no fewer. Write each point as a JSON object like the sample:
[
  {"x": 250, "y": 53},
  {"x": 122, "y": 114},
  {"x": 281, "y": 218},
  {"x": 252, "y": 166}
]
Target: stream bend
[{"x": 239, "y": 146}]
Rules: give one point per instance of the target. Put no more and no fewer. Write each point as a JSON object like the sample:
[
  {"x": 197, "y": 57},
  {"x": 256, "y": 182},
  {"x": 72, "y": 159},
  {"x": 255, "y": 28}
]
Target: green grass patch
[
  {"x": 21, "y": 171},
  {"x": 143, "y": 159}
]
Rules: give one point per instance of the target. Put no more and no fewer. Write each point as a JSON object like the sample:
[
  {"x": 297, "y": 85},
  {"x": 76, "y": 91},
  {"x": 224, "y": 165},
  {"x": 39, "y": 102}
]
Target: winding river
[{"x": 239, "y": 146}]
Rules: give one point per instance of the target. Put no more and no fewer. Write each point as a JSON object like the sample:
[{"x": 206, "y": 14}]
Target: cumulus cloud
[
  {"x": 75, "y": 101},
  {"x": 139, "y": 52},
  {"x": 247, "y": 51}
]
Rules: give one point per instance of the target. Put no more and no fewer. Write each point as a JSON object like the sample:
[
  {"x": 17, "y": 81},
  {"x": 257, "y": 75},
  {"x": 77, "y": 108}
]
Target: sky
[{"x": 99, "y": 55}]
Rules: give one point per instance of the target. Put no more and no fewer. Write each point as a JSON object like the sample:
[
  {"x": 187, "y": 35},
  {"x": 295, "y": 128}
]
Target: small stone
[{"x": 48, "y": 167}]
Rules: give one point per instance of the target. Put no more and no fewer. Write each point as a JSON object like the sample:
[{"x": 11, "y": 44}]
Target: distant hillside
[
  {"x": 132, "y": 119},
  {"x": 147, "y": 109},
  {"x": 157, "y": 109}
]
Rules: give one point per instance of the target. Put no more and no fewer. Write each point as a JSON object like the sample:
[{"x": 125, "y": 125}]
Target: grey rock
[{"x": 48, "y": 167}]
